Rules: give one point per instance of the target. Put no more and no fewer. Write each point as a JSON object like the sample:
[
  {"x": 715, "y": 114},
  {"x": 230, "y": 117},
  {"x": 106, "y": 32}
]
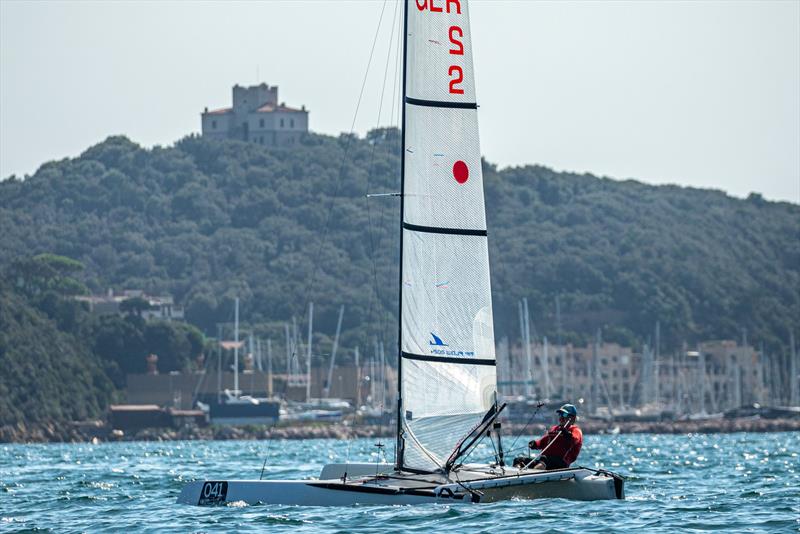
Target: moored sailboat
[{"x": 447, "y": 398}]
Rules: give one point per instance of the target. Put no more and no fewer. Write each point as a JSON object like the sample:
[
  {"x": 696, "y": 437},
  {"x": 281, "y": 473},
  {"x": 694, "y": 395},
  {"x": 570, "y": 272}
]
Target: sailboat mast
[
  {"x": 269, "y": 365},
  {"x": 398, "y": 460},
  {"x": 236, "y": 349},
  {"x": 329, "y": 381},
  {"x": 308, "y": 354}
]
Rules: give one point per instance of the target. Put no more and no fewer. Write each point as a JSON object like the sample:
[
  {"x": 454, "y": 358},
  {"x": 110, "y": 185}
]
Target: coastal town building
[
  {"x": 605, "y": 379},
  {"x": 153, "y": 307},
  {"x": 610, "y": 379},
  {"x": 256, "y": 116}
]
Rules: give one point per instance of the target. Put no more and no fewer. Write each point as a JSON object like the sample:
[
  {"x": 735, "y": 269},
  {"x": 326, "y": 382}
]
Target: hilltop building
[{"x": 256, "y": 117}]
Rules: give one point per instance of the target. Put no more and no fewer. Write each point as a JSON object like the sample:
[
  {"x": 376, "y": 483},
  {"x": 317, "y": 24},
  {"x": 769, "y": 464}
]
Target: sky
[{"x": 700, "y": 94}]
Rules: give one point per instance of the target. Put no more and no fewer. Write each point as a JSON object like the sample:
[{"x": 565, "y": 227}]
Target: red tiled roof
[
  {"x": 269, "y": 108},
  {"x": 221, "y": 111}
]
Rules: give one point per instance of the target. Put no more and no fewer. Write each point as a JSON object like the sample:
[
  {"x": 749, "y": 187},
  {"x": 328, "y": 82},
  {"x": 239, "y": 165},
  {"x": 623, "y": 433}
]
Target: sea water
[{"x": 675, "y": 483}]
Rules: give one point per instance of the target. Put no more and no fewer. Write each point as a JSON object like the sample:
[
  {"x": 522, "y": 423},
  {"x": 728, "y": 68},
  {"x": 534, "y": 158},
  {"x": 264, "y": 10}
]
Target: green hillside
[
  {"x": 208, "y": 221},
  {"x": 48, "y": 375},
  {"x": 59, "y": 362}
]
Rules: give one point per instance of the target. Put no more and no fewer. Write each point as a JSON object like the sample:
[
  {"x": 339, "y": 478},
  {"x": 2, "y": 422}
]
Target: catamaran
[{"x": 447, "y": 398}]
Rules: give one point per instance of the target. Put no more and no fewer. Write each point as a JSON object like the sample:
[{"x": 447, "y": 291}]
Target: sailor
[{"x": 560, "y": 446}]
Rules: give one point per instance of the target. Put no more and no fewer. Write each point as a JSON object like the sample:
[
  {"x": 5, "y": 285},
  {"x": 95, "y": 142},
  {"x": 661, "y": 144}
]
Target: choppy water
[{"x": 733, "y": 482}]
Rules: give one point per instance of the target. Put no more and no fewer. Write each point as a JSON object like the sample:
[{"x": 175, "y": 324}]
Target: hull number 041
[{"x": 213, "y": 492}]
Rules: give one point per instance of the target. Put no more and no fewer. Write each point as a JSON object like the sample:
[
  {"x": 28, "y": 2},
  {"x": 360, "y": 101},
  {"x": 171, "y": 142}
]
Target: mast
[
  {"x": 595, "y": 372},
  {"x": 251, "y": 350},
  {"x": 308, "y": 354},
  {"x": 383, "y": 377},
  {"x": 269, "y": 365},
  {"x": 288, "y": 352},
  {"x": 546, "y": 369},
  {"x": 527, "y": 388},
  {"x": 530, "y": 389},
  {"x": 564, "y": 380},
  {"x": 333, "y": 353},
  {"x": 358, "y": 380},
  {"x": 219, "y": 363},
  {"x": 794, "y": 384},
  {"x": 657, "y": 366},
  {"x": 398, "y": 453},
  {"x": 236, "y": 349}
]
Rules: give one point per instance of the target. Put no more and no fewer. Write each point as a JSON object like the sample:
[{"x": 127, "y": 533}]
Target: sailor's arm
[{"x": 544, "y": 440}]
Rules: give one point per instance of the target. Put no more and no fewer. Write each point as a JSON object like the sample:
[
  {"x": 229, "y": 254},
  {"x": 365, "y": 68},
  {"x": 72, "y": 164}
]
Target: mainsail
[{"x": 447, "y": 363}]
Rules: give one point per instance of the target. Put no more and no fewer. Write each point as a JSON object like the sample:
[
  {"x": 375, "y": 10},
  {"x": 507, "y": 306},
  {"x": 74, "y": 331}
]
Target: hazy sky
[{"x": 705, "y": 94}]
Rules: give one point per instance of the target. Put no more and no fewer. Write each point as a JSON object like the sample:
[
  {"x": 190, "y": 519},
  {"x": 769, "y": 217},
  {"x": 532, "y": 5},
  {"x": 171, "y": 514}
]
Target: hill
[
  {"x": 60, "y": 362},
  {"x": 48, "y": 374},
  {"x": 208, "y": 221}
]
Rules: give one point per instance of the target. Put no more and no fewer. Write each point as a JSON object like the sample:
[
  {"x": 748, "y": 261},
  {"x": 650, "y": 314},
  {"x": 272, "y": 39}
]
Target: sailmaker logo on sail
[{"x": 437, "y": 342}]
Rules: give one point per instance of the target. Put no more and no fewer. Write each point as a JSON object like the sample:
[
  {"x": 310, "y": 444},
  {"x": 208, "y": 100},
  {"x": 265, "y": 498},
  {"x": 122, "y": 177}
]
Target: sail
[{"x": 448, "y": 378}]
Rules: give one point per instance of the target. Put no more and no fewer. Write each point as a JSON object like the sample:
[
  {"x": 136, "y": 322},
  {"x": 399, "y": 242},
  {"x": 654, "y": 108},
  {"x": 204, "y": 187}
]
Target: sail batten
[
  {"x": 445, "y": 359},
  {"x": 448, "y": 366},
  {"x": 441, "y": 104},
  {"x": 440, "y": 230}
]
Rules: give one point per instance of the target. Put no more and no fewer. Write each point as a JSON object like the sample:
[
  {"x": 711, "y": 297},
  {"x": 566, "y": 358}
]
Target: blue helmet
[{"x": 568, "y": 410}]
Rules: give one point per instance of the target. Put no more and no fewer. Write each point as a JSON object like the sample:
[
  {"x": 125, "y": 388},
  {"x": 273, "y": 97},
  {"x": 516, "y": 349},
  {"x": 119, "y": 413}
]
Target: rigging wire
[
  {"x": 375, "y": 240},
  {"x": 339, "y": 180},
  {"x": 530, "y": 420},
  {"x": 340, "y": 174},
  {"x": 329, "y": 215}
]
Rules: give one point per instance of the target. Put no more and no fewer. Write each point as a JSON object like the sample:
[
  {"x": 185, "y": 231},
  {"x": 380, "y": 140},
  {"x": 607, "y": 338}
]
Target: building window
[
  {"x": 291, "y": 123},
  {"x": 213, "y": 125},
  {"x": 261, "y": 140},
  {"x": 281, "y": 123},
  {"x": 261, "y": 123}
]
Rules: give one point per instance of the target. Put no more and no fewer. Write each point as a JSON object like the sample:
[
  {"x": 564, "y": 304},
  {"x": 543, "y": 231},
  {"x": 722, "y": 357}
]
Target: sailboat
[
  {"x": 231, "y": 407},
  {"x": 447, "y": 398}
]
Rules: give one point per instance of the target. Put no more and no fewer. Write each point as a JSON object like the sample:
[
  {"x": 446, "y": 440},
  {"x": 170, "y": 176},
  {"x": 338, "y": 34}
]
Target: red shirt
[{"x": 565, "y": 445}]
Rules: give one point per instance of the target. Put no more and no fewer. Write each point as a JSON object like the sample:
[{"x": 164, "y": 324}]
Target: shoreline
[{"x": 99, "y": 432}]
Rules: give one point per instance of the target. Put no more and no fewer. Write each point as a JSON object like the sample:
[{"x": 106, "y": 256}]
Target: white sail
[
  {"x": 447, "y": 358},
  {"x": 448, "y": 378}
]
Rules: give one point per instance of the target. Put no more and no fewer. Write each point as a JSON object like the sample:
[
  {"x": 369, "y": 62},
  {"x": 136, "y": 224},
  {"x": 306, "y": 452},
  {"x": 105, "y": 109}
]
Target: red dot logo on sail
[{"x": 460, "y": 172}]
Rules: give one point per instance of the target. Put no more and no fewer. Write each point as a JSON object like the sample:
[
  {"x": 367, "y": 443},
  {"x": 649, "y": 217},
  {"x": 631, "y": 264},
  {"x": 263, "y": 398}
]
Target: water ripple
[{"x": 696, "y": 482}]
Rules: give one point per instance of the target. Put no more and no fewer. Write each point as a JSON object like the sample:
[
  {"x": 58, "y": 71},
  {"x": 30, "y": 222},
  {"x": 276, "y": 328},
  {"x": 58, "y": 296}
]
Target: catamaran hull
[
  {"x": 577, "y": 484},
  {"x": 292, "y": 492}
]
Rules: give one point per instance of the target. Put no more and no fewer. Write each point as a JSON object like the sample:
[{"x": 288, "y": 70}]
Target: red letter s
[{"x": 459, "y": 49}]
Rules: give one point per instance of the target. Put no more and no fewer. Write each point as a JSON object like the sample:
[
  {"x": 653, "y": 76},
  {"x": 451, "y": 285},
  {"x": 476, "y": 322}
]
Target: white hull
[{"x": 477, "y": 484}]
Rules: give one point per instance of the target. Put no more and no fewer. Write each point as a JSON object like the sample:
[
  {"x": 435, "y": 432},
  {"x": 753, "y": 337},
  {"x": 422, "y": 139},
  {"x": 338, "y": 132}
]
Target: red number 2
[{"x": 459, "y": 77}]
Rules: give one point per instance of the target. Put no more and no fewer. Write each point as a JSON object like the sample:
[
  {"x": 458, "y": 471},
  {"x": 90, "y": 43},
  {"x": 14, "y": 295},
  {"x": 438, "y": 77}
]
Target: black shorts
[
  {"x": 550, "y": 462},
  {"x": 553, "y": 462}
]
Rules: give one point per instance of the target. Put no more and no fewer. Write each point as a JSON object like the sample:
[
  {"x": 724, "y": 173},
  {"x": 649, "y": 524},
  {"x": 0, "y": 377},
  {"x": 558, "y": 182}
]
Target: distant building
[
  {"x": 257, "y": 117},
  {"x": 608, "y": 378},
  {"x": 160, "y": 307}
]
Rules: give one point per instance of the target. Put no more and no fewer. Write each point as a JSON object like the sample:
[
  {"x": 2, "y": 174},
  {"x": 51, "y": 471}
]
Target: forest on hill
[
  {"x": 209, "y": 221},
  {"x": 61, "y": 363}
]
